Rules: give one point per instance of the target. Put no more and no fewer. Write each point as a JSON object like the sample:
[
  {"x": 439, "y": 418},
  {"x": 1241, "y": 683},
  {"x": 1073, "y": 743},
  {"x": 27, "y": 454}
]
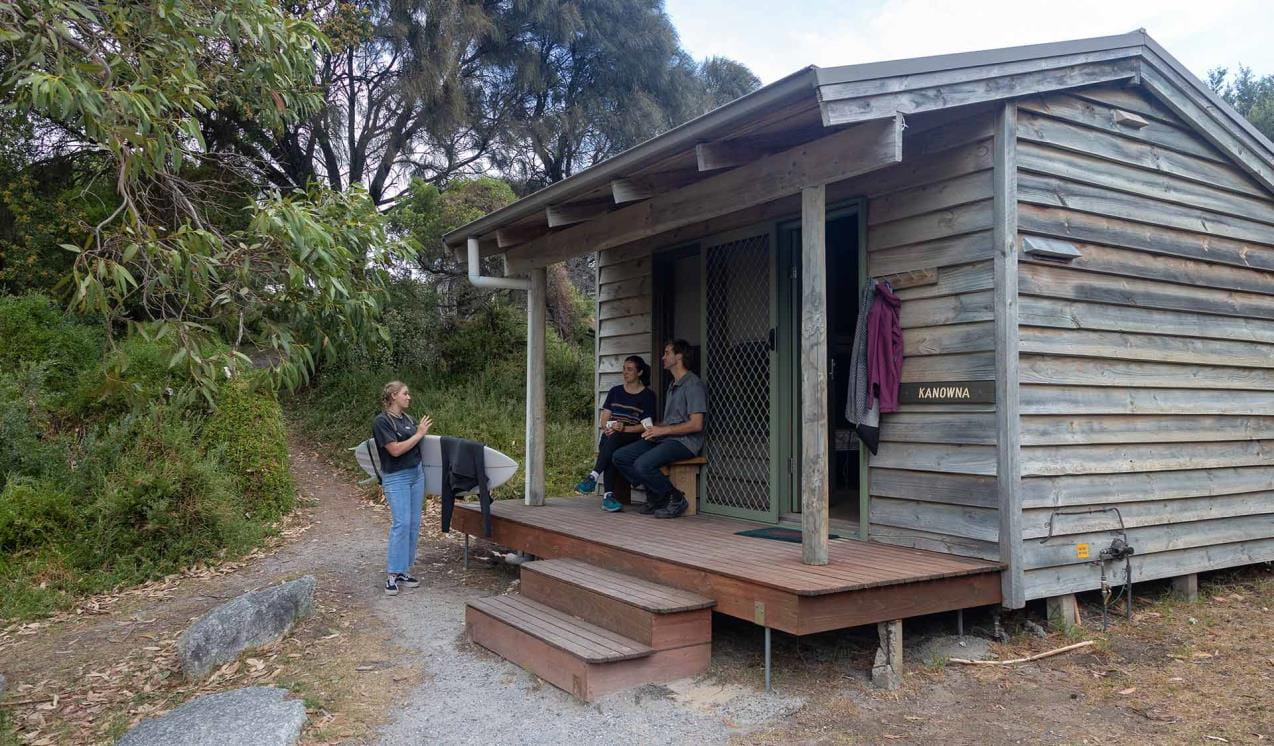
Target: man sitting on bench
[{"x": 679, "y": 436}]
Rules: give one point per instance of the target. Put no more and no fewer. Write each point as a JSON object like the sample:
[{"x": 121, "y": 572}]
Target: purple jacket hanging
[{"x": 884, "y": 348}]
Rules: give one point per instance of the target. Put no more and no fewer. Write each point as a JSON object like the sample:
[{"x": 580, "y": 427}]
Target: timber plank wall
[
  {"x": 624, "y": 320},
  {"x": 933, "y": 481},
  {"x": 1147, "y": 363}
]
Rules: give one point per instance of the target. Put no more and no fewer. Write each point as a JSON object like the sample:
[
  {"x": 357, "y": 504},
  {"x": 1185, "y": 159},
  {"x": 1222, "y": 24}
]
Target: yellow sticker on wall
[{"x": 1081, "y": 551}]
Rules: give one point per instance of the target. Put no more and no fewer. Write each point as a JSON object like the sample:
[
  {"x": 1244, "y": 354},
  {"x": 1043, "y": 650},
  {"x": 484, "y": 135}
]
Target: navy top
[
  {"x": 628, "y": 408},
  {"x": 389, "y": 429}
]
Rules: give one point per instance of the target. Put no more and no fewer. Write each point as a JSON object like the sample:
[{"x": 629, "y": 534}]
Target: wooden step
[
  {"x": 573, "y": 654},
  {"x": 659, "y": 616}
]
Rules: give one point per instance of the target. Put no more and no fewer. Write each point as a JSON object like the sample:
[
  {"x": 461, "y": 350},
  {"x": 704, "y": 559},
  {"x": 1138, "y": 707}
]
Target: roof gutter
[
  {"x": 477, "y": 279},
  {"x": 675, "y": 139}
]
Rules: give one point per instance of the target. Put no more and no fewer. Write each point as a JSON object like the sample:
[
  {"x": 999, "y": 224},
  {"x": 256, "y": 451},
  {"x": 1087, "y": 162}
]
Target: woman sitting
[{"x": 626, "y": 406}]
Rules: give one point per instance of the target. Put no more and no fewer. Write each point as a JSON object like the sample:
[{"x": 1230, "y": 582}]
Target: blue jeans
[
  {"x": 405, "y": 493},
  {"x": 639, "y": 463}
]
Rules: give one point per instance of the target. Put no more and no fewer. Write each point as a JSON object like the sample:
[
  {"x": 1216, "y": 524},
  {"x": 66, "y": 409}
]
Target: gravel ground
[{"x": 473, "y": 696}]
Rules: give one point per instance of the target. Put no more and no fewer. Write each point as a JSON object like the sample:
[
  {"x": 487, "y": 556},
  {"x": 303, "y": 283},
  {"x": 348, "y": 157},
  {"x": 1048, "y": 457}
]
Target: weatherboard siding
[
  {"x": 623, "y": 312},
  {"x": 1147, "y": 363},
  {"x": 929, "y": 220}
]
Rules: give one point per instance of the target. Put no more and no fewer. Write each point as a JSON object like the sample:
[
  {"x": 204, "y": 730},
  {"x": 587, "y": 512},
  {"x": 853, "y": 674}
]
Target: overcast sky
[{"x": 777, "y": 37}]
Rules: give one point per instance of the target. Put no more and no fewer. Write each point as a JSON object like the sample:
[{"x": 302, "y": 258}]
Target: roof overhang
[{"x": 617, "y": 201}]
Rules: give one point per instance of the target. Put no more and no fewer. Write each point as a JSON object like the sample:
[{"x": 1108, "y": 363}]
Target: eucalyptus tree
[
  {"x": 592, "y": 78},
  {"x": 189, "y": 247}
]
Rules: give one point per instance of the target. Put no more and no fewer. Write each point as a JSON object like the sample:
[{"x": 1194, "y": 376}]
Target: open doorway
[
  {"x": 844, "y": 272},
  {"x": 843, "y": 284},
  {"x": 677, "y": 312}
]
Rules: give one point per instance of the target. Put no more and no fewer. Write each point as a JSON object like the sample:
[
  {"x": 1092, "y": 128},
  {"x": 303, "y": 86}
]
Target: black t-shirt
[
  {"x": 389, "y": 429},
  {"x": 630, "y": 408}
]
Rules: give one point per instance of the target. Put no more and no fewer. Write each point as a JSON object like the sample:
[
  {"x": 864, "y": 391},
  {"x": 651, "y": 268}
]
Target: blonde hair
[{"x": 390, "y": 390}]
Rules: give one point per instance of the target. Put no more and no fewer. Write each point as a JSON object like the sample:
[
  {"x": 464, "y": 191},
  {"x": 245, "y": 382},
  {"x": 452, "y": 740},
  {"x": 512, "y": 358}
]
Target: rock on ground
[
  {"x": 251, "y": 620},
  {"x": 940, "y": 649},
  {"x": 255, "y": 716}
]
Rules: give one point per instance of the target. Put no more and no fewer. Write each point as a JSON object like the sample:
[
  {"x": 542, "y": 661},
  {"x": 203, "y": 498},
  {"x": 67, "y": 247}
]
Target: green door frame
[
  {"x": 785, "y": 402},
  {"x": 790, "y": 352}
]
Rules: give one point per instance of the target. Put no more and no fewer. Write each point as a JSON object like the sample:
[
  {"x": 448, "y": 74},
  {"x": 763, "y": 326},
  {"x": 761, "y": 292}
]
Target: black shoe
[
  {"x": 652, "y": 505},
  {"x": 407, "y": 580},
  {"x": 677, "y": 504},
  {"x": 391, "y": 586}
]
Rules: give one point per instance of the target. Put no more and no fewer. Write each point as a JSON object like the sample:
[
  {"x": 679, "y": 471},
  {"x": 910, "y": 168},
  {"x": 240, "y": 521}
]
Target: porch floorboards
[{"x": 760, "y": 580}]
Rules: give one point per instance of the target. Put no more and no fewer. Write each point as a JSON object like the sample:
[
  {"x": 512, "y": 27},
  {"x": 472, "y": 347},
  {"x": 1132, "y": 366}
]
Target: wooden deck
[{"x": 760, "y": 580}]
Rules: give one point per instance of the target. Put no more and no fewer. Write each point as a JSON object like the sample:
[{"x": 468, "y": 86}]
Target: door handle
[{"x": 772, "y": 345}]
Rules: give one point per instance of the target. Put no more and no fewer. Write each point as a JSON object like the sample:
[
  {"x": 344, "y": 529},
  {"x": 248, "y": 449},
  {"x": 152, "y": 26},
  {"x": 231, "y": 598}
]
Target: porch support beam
[
  {"x": 858, "y": 150},
  {"x": 518, "y": 234},
  {"x": 645, "y": 186},
  {"x": 714, "y": 156},
  {"x": 814, "y": 487},
  {"x": 536, "y": 310},
  {"x": 576, "y": 212}
]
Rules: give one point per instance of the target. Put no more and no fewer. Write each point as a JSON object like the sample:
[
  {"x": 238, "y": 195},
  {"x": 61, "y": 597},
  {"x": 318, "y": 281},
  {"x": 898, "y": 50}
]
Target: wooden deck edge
[
  {"x": 837, "y": 611},
  {"x": 461, "y": 520}
]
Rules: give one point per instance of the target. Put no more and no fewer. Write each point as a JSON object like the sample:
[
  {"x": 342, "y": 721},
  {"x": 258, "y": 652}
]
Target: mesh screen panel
[{"x": 737, "y": 375}]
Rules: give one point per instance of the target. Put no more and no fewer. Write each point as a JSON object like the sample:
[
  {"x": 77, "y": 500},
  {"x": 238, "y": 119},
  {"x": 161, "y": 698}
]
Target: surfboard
[{"x": 500, "y": 468}]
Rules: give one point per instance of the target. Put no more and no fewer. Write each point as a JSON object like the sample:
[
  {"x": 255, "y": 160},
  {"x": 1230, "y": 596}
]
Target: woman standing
[
  {"x": 625, "y": 407},
  {"x": 398, "y": 440}
]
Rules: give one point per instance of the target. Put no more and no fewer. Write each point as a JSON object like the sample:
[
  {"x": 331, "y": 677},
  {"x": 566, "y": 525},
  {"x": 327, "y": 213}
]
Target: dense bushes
[
  {"x": 246, "y": 432},
  {"x": 469, "y": 375},
  {"x": 112, "y": 469}
]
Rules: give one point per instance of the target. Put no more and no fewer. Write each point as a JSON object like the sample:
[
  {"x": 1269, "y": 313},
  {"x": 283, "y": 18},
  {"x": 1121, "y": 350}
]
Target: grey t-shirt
[{"x": 685, "y": 397}]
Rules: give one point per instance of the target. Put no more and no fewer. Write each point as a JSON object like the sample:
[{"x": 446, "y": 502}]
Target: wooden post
[
  {"x": 814, "y": 376},
  {"x": 1008, "y": 461},
  {"x": 886, "y": 673},
  {"x": 1186, "y": 586},
  {"x": 1063, "y": 612},
  {"x": 536, "y": 309}
]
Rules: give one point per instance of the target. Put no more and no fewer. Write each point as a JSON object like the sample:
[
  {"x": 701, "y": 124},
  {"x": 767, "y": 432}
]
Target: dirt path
[
  {"x": 374, "y": 669},
  {"x": 112, "y": 661}
]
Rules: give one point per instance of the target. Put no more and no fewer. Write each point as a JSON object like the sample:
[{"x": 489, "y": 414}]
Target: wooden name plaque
[{"x": 948, "y": 392}]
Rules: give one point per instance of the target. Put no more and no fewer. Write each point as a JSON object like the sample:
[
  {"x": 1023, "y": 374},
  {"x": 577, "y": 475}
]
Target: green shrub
[
  {"x": 32, "y": 511},
  {"x": 30, "y": 444},
  {"x": 35, "y": 331},
  {"x": 246, "y": 431},
  {"x": 166, "y": 503},
  {"x": 470, "y": 376},
  {"x": 111, "y": 469},
  {"x": 131, "y": 376}
]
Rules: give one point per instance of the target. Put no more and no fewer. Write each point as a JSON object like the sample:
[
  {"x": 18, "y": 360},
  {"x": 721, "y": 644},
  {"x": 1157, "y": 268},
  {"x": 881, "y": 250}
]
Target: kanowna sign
[{"x": 948, "y": 392}]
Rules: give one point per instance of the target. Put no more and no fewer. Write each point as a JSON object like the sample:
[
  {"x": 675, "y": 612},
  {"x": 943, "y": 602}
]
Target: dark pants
[
  {"x": 640, "y": 462},
  {"x": 605, "y": 456}
]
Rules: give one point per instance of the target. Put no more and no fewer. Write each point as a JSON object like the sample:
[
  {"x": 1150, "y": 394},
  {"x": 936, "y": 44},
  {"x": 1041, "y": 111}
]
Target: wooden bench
[{"x": 683, "y": 474}]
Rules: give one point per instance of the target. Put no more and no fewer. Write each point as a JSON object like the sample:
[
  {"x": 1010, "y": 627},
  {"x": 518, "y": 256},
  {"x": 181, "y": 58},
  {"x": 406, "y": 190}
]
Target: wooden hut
[{"x": 1083, "y": 237}]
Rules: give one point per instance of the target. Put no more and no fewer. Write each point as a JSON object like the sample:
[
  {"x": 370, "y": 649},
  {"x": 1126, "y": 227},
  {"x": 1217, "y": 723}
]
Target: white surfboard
[{"x": 500, "y": 468}]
